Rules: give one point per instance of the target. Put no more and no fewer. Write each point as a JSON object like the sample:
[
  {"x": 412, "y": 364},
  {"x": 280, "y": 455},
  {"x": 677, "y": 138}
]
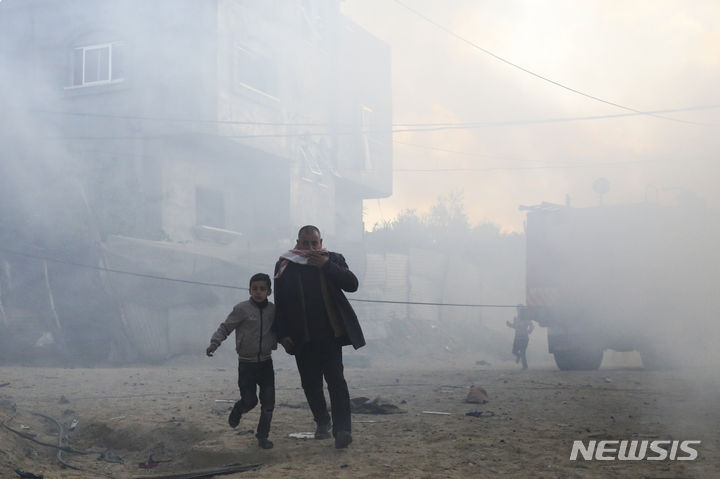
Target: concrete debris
[
  {"x": 220, "y": 411},
  {"x": 110, "y": 456},
  {"x": 28, "y": 475},
  {"x": 480, "y": 413},
  {"x": 476, "y": 395},
  {"x": 378, "y": 405}
]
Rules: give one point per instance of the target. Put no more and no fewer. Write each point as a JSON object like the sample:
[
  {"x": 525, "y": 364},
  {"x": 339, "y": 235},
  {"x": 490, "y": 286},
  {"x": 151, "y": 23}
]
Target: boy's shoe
[
  {"x": 265, "y": 443},
  {"x": 322, "y": 431},
  {"x": 235, "y": 415},
  {"x": 342, "y": 439}
]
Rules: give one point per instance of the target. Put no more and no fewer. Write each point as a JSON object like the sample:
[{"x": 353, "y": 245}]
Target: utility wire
[
  {"x": 555, "y": 120},
  {"x": 412, "y": 127},
  {"x": 543, "y": 167},
  {"x": 396, "y": 127},
  {"x": 110, "y": 270},
  {"x": 436, "y": 304},
  {"x": 419, "y": 128},
  {"x": 106, "y": 154},
  {"x": 544, "y": 78},
  {"x": 467, "y": 126},
  {"x": 168, "y": 135},
  {"x": 219, "y": 285},
  {"x": 178, "y": 120},
  {"x": 113, "y": 155}
]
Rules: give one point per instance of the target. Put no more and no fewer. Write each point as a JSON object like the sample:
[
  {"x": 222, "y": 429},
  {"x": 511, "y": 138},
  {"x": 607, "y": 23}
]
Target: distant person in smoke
[
  {"x": 523, "y": 328},
  {"x": 314, "y": 321},
  {"x": 253, "y": 323}
]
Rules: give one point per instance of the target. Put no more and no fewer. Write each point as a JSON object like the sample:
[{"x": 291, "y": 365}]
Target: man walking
[{"x": 314, "y": 320}]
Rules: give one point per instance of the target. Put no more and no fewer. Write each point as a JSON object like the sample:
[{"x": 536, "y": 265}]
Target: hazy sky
[{"x": 646, "y": 55}]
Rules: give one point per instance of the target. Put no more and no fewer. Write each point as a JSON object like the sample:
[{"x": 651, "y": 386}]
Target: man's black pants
[
  {"x": 318, "y": 359},
  {"x": 250, "y": 376}
]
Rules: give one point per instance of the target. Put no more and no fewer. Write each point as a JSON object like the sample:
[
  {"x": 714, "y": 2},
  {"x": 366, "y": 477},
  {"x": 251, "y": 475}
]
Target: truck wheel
[{"x": 578, "y": 360}]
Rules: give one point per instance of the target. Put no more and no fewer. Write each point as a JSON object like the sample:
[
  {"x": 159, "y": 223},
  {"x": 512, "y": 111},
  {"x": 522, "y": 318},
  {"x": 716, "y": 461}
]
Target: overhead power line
[
  {"x": 537, "y": 75},
  {"x": 220, "y": 285},
  {"x": 419, "y": 127},
  {"x": 396, "y": 127},
  {"x": 549, "y": 167},
  {"x": 107, "y": 154},
  {"x": 111, "y": 270},
  {"x": 555, "y": 120},
  {"x": 464, "y": 305},
  {"x": 176, "y": 119},
  {"x": 405, "y": 127}
]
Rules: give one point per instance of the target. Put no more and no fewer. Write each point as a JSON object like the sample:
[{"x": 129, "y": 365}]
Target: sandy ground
[{"x": 171, "y": 413}]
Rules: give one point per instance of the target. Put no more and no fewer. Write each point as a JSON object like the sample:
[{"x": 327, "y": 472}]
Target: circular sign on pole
[{"x": 601, "y": 186}]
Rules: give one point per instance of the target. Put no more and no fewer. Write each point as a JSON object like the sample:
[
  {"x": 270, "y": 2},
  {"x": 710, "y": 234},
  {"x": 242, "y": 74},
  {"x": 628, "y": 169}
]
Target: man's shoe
[
  {"x": 265, "y": 443},
  {"x": 235, "y": 415},
  {"x": 342, "y": 439},
  {"x": 322, "y": 431}
]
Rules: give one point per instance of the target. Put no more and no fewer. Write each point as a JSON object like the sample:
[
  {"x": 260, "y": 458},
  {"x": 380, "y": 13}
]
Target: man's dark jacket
[{"x": 290, "y": 319}]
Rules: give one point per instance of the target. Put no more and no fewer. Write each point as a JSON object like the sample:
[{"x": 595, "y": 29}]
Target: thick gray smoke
[{"x": 177, "y": 141}]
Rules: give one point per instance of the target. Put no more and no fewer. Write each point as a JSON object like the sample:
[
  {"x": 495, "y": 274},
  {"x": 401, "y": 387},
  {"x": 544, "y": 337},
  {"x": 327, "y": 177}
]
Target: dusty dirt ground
[{"x": 170, "y": 412}]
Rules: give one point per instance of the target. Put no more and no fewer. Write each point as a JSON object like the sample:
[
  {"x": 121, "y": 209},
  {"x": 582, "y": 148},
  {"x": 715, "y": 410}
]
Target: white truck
[{"x": 642, "y": 277}]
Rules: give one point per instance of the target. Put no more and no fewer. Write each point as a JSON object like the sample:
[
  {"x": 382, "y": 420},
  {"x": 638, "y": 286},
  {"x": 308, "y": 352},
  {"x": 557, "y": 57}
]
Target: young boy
[{"x": 252, "y": 321}]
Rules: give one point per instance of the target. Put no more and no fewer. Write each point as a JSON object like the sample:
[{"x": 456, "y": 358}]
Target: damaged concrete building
[{"x": 180, "y": 141}]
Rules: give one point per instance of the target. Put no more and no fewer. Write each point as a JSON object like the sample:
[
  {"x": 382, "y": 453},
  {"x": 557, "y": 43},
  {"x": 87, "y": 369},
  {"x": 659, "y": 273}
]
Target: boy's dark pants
[
  {"x": 251, "y": 375},
  {"x": 318, "y": 359}
]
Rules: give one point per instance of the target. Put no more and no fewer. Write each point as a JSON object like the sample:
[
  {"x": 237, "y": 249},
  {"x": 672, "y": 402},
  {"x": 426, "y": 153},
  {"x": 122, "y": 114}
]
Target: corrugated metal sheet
[
  {"x": 385, "y": 279},
  {"x": 374, "y": 271},
  {"x": 462, "y": 285},
  {"x": 396, "y": 274},
  {"x": 162, "y": 318},
  {"x": 426, "y": 279}
]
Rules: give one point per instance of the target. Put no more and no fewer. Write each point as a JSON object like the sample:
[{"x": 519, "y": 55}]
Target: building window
[
  {"x": 210, "y": 207},
  {"x": 251, "y": 69},
  {"x": 98, "y": 64}
]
